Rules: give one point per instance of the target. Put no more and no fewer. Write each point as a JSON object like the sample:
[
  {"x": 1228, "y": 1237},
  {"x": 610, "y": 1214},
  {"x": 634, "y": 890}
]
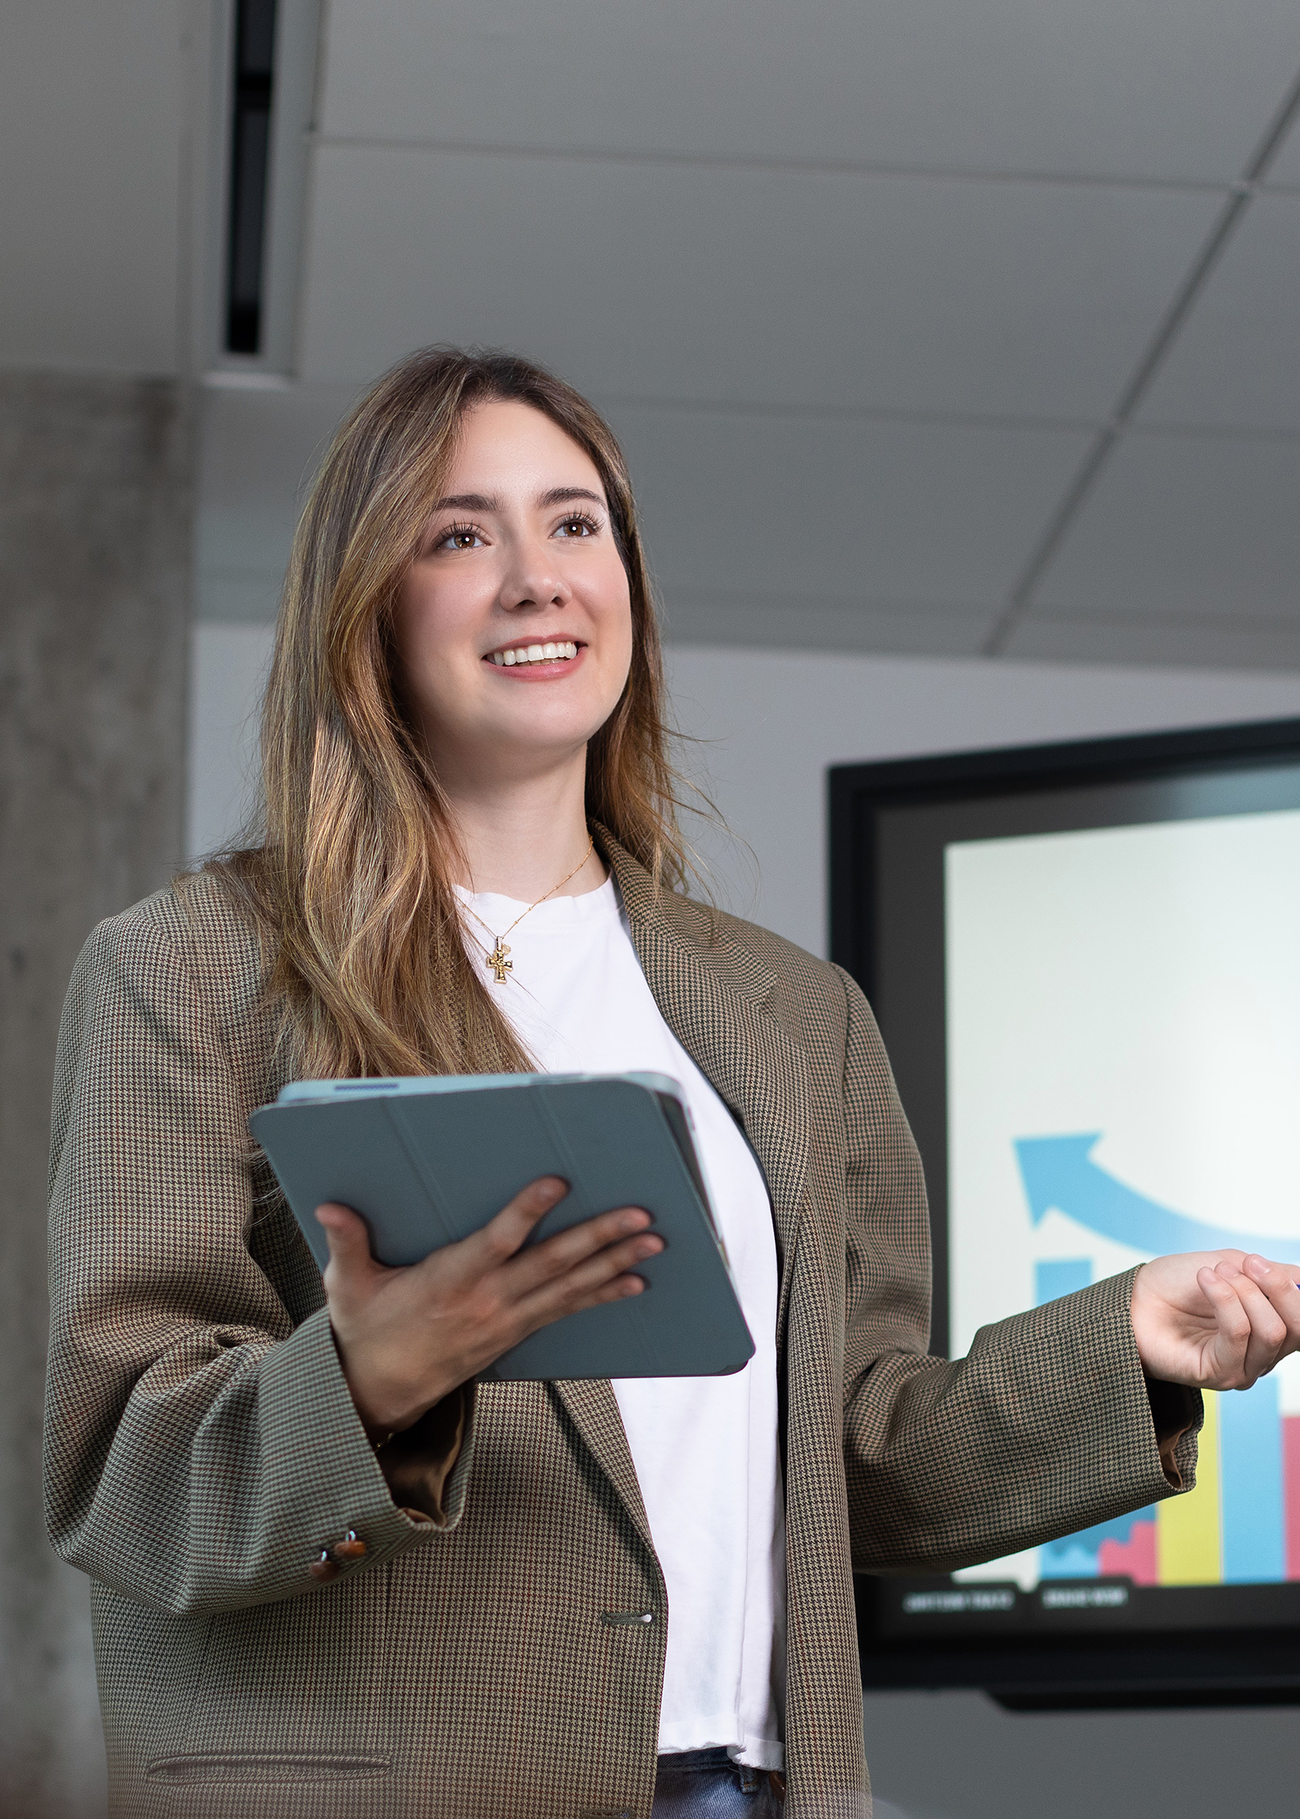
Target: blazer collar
[{"x": 658, "y": 916}]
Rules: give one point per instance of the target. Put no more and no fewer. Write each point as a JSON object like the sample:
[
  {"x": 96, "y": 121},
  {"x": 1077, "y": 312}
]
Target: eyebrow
[
  {"x": 558, "y": 495},
  {"x": 482, "y": 502},
  {"x": 467, "y": 502}
]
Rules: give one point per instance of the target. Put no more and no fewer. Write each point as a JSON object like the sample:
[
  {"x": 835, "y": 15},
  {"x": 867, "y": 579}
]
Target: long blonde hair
[{"x": 348, "y": 875}]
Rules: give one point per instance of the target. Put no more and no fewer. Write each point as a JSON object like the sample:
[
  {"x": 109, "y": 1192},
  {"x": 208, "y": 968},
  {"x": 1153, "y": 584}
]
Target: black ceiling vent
[{"x": 250, "y": 165}]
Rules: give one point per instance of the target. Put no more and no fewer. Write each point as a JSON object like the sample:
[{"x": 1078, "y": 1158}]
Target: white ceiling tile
[
  {"x": 91, "y": 125},
  {"x": 1246, "y": 645},
  {"x": 1178, "y": 89},
  {"x": 1186, "y": 528},
  {"x": 780, "y": 512},
  {"x": 820, "y": 625},
  {"x": 1236, "y": 363},
  {"x": 1286, "y": 168},
  {"x": 905, "y": 294}
]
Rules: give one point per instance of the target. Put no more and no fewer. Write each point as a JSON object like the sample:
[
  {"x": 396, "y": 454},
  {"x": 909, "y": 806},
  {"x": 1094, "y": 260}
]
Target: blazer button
[
  {"x": 324, "y": 1569},
  {"x": 352, "y": 1547}
]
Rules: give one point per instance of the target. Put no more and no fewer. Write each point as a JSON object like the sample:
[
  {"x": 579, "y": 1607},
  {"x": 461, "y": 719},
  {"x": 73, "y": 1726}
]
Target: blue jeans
[{"x": 707, "y": 1784}]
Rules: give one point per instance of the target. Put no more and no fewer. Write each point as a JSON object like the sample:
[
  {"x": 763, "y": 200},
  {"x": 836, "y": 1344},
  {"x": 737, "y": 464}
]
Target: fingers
[
  {"x": 1225, "y": 1350},
  {"x": 569, "y": 1249},
  {"x": 1279, "y": 1282},
  {"x": 1271, "y": 1301},
  {"x": 586, "y": 1263},
  {"x": 501, "y": 1237},
  {"x": 469, "y": 1301},
  {"x": 605, "y": 1276}
]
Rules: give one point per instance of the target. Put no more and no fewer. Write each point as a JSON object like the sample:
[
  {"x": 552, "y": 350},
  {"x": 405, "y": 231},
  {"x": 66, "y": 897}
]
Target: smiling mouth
[{"x": 520, "y": 654}]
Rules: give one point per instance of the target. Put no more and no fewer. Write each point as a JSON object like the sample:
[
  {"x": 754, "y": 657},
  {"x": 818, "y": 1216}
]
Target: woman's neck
[{"x": 520, "y": 839}]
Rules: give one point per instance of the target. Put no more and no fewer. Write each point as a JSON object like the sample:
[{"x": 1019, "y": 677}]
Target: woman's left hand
[{"x": 1215, "y": 1320}]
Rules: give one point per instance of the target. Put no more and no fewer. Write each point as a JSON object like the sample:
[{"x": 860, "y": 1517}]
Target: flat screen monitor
[{"x": 1085, "y": 961}]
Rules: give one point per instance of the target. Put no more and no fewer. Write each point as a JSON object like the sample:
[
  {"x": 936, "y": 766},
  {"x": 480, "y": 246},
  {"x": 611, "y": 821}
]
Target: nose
[{"x": 533, "y": 580}]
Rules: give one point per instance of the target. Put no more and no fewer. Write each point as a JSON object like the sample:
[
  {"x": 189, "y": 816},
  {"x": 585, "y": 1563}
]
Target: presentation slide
[{"x": 1123, "y": 1054}]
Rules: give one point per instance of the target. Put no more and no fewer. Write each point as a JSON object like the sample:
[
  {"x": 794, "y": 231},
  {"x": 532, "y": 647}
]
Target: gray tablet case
[{"x": 427, "y": 1161}]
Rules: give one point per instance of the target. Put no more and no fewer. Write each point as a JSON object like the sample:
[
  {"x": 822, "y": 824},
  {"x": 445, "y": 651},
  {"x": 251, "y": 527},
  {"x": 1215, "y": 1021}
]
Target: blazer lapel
[
  {"x": 592, "y": 1407},
  {"x": 714, "y": 994}
]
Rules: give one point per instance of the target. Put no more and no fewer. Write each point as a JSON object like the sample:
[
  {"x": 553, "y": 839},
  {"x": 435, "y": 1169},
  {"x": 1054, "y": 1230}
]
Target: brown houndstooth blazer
[{"x": 202, "y": 1447}]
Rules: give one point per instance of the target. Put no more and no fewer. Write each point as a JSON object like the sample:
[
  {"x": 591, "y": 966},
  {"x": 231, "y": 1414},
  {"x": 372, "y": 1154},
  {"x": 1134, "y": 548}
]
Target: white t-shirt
[{"x": 705, "y": 1448}]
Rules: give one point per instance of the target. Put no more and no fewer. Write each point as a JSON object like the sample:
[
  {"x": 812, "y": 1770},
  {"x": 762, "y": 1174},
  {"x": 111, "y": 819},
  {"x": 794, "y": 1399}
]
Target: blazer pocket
[
  {"x": 304, "y": 1681},
  {"x": 232, "y": 1766}
]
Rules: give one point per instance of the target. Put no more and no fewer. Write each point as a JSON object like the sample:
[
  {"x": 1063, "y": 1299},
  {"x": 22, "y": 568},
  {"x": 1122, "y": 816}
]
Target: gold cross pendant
[{"x": 498, "y": 962}]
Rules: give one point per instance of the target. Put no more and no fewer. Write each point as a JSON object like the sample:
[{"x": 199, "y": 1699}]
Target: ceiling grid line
[
  {"x": 799, "y": 167},
  {"x": 868, "y": 413},
  {"x": 1242, "y": 193},
  {"x": 841, "y": 413}
]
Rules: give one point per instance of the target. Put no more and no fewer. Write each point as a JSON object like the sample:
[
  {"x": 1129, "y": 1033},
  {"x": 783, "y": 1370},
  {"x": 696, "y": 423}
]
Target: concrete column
[{"x": 95, "y": 516}]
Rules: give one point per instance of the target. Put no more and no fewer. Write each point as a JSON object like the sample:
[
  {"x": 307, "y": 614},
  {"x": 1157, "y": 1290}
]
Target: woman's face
[{"x": 514, "y": 624}]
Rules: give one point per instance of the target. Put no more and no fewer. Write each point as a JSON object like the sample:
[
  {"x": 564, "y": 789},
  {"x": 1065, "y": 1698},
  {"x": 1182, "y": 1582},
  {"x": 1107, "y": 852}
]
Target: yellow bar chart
[{"x": 1189, "y": 1530}]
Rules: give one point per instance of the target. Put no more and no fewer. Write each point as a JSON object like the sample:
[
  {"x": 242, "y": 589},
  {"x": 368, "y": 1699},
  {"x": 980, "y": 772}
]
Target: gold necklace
[{"x": 496, "y": 959}]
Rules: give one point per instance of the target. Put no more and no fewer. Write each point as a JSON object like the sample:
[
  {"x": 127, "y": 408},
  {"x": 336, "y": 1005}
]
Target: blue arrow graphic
[{"x": 1059, "y": 1172}]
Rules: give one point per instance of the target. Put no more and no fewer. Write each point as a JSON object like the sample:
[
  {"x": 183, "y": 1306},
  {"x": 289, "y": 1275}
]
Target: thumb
[{"x": 348, "y": 1237}]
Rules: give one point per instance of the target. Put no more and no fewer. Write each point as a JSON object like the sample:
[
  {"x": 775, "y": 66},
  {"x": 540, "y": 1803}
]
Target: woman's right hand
[{"x": 407, "y": 1337}]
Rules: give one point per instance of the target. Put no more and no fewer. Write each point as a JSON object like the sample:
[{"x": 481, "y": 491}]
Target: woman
[{"x": 331, "y": 1574}]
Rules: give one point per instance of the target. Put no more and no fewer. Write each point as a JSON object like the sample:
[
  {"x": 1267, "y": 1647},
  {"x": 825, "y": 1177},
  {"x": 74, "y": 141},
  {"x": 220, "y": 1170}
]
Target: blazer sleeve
[
  {"x": 201, "y": 1449},
  {"x": 1044, "y": 1428}
]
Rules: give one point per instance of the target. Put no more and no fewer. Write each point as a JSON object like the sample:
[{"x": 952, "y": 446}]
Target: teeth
[{"x": 535, "y": 653}]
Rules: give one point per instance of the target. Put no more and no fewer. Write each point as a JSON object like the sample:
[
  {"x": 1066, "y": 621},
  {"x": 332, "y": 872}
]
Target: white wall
[
  {"x": 769, "y": 723},
  {"x": 228, "y": 673}
]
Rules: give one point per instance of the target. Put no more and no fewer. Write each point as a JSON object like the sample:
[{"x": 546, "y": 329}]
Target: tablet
[{"x": 426, "y": 1161}]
